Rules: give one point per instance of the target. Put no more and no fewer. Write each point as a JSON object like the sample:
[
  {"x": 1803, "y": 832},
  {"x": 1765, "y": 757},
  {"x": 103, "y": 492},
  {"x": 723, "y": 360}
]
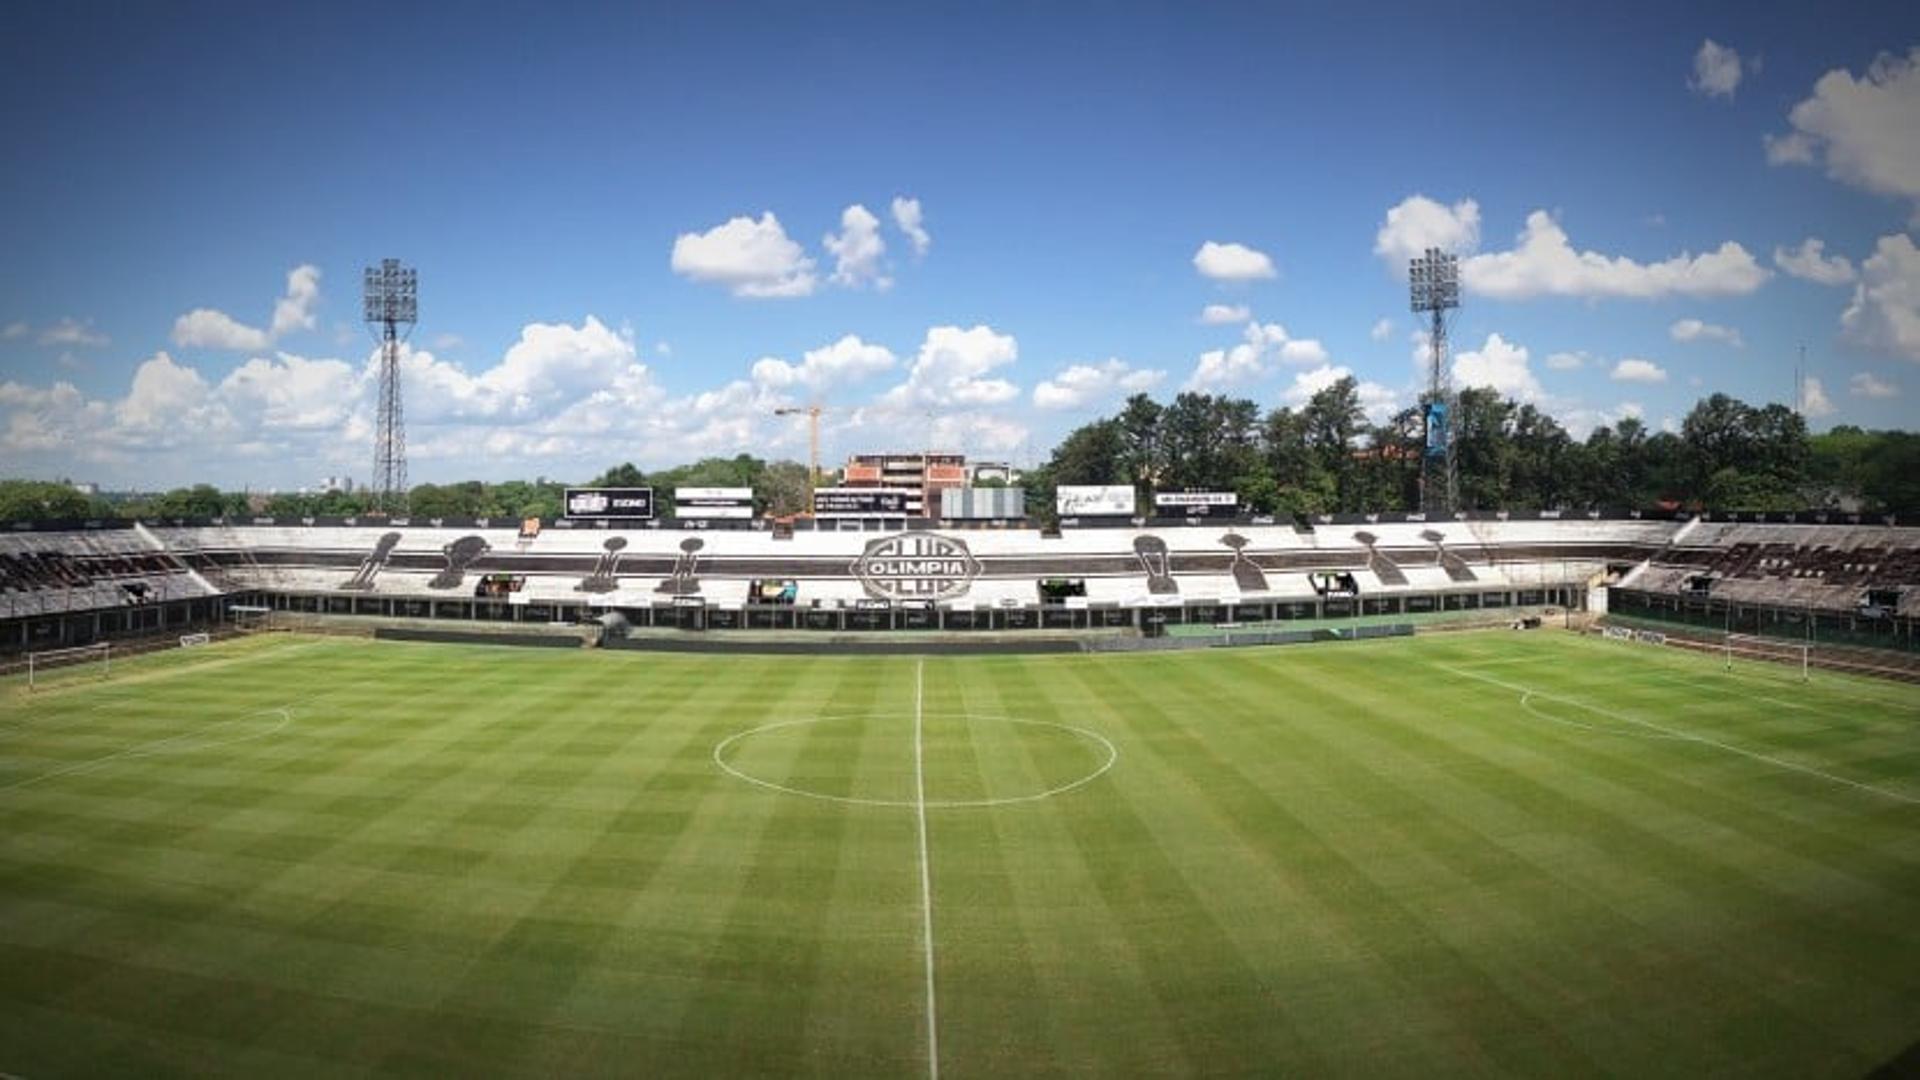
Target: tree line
[
  {"x": 1326, "y": 456},
  {"x": 780, "y": 487},
  {"x": 1323, "y": 457}
]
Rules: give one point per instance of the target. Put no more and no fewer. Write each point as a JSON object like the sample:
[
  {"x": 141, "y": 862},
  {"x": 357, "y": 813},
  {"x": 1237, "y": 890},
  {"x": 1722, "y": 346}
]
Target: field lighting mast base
[
  {"x": 1433, "y": 282},
  {"x": 393, "y": 306}
]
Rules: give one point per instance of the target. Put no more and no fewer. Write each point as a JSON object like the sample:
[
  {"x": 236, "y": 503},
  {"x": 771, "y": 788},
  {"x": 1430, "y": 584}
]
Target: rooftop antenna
[
  {"x": 1433, "y": 283},
  {"x": 1800, "y": 380},
  {"x": 393, "y": 306}
]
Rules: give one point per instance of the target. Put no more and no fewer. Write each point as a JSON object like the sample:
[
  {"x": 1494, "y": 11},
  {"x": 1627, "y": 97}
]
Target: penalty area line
[{"x": 1686, "y": 736}]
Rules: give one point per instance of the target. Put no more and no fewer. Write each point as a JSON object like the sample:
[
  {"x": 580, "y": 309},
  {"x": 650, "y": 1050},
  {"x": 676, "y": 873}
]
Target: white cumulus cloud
[
  {"x": 1866, "y": 384},
  {"x": 1885, "y": 312},
  {"x": 1418, "y": 223},
  {"x": 1633, "y": 369},
  {"x": 1382, "y": 330},
  {"x": 751, "y": 258},
  {"x": 72, "y": 332},
  {"x": 857, "y": 250},
  {"x": 1814, "y": 403},
  {"x": 565, "y": 399},
  {"x": 1566, "y": 361},
  {"x": 1866, "y": 130},
  {"x": 1545, "y": 263},
  {"x": 908, "y": 219},
  {"x": 1232, "y": 262},
  {"x": 1499, "y": 365},
  {"x": 294, "y": 311},
  {"x": 1261, "y": 345},
  {"x": 1716, "y": 70},
  {"x": 1082, "y": 384},
  {"x": 1221, "y": 314},
  {"x": 293, "y": 392},
  {"x": 211, "y": 328},
  {"x": 952, "y": 369},
  {"x": 1696, "y": 330},
  {"x": 1580, "y": 420},
  {"x": 1810, "y": 262},
  {"x": 846, "y": 360}
]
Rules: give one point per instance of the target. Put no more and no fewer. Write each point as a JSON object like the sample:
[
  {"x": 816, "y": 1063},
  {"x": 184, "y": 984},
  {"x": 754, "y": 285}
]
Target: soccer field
[{"x": 1467, "y": 854}]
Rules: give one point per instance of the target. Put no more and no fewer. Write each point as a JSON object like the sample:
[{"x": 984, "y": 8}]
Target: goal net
[
  {"x": 49, "y": 666},
  {"x": 249, "y": 619}
]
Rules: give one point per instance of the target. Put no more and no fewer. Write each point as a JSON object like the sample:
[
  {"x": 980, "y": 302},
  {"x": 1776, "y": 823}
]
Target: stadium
[
  {"x": 1509, "y": 792},
  {"x": 719, "y": 540}
]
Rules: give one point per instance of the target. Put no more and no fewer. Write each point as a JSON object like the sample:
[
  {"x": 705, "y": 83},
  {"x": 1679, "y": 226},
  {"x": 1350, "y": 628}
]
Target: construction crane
[{"x": 812, "y": 413}]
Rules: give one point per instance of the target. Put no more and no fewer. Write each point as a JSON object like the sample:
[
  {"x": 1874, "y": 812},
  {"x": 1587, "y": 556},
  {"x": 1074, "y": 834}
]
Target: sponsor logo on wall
[
  {"x": 1094, "y": 500},
  {"x": 845, "y": 502},
  {"x": 916, "y": 566},
  {"x": 609, "y": 502},
  {"x": 1196, "y": 503}
]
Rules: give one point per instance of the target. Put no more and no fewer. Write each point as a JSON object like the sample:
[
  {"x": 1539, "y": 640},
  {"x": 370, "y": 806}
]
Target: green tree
[
  {"x": 625, "y": 474},
  {"x": 1890, "y": 480},
  {"x": 1333, "y": 420},
  {"x": 1142, "y": 455},
  {"x": 1302, "y": 485},
  {"x": 39, "y": 500},
  {"x": 782, "y": 489},
  {"x": 200, "y": 500},
  {"x": 1090, "y": 454}
]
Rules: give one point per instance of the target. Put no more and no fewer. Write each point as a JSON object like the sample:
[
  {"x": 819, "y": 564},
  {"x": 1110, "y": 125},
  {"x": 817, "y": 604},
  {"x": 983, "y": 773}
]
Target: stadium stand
[{"x": 895, "y": 575}]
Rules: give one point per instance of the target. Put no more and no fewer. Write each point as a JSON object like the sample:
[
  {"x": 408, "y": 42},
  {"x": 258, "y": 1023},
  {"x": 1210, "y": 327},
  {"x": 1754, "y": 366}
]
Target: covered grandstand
[{"x": 68, "y": 583}]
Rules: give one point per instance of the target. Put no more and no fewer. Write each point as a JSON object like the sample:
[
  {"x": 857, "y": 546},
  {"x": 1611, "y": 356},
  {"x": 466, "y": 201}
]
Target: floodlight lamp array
[
  {"x": 392, "y": 293},
  {"x": 1433, "y": 281}
]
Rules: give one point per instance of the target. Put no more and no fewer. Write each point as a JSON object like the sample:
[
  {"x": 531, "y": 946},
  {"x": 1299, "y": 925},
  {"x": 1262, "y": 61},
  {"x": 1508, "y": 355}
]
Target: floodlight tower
[
  {"x": 1433, "y": 281},
  {"x": 393, "y": 305}
]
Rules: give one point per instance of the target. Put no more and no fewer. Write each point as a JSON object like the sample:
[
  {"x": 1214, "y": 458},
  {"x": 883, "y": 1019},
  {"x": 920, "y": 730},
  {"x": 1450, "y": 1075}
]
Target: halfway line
[{"x": 926, "y": 868}]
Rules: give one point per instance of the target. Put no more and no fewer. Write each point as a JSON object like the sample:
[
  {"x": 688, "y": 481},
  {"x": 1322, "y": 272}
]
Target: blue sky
[{"x": 564, "y": 180}]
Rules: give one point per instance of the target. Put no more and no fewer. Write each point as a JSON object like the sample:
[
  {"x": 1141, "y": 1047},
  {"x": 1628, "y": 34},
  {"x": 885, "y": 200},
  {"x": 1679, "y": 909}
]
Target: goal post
[
  {"x": 1777, "y": 650},
  {"x": 80, "y": 661},
  {"x": 250, "y": 618}
]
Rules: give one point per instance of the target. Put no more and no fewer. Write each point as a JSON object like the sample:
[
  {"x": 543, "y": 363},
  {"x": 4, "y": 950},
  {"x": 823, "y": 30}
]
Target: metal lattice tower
[
  {"x": 393, "y": 305},
  {"x": 1433, "y": 282}
]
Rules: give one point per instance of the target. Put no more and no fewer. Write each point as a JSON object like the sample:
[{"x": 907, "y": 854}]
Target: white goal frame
[
  {"x": 1766, "y": 648},
  {"x": 51, "y": 659},
  {"x": 249, "y": 618},
  {"x": 188, "y": 641}
]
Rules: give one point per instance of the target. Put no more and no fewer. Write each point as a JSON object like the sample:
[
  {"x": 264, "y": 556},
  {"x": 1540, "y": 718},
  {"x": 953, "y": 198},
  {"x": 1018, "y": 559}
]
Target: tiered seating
[
  {"x": 81, "y": 571},
  {"x": 1822, "y": 566}
]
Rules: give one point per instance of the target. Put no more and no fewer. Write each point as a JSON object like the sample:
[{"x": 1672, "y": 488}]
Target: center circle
[{"x": 943, "y": 737}]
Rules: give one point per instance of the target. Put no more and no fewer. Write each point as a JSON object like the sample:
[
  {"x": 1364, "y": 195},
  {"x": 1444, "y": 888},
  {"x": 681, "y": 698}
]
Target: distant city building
[
  {"x": 987, "y": 472},
  {"x": 84, "y": 487},
  {"x": 988, "y": 503},
  {"x": 923, "y": 473},
  {"x": 342, "y": 484}
]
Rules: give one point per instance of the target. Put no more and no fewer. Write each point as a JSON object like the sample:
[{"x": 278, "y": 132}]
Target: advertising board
[
  {"x": 609, "y": 502},
  {"x": 1108, "y": 500},
  {"x": 713, "y": 502},
  {"x": 1195, "y": 503},
  {"x": 860, "y": 502}
]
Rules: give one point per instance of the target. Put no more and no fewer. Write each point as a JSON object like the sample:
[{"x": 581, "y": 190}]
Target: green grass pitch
[{"x": 1480, "y": 853}]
